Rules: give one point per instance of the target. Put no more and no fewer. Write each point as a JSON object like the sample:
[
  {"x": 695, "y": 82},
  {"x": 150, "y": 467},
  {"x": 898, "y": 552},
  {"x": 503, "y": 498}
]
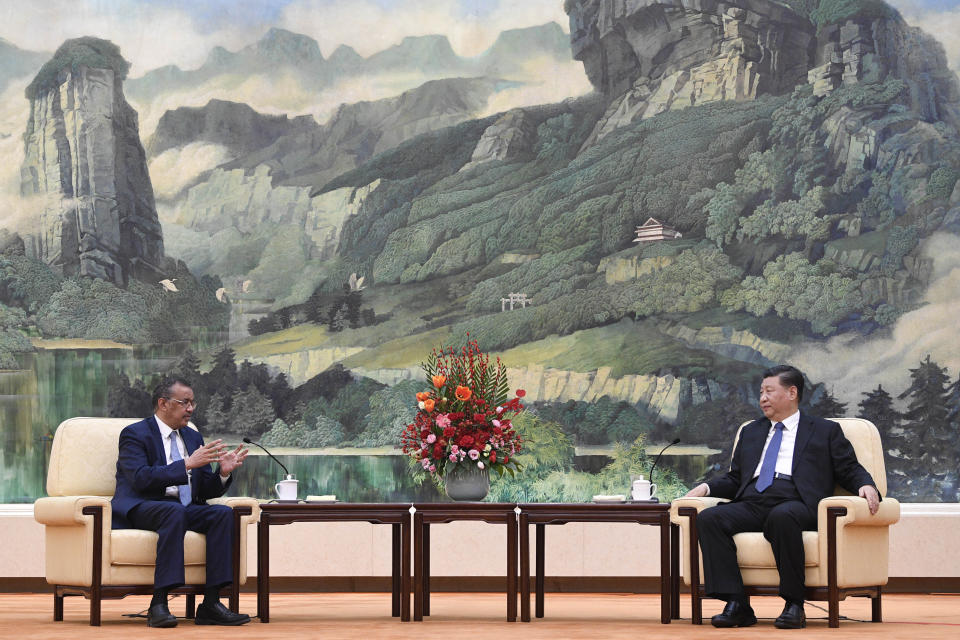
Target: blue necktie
[
  {"x": 185, "y": 497},
  {"x": 769, "y": 465}
]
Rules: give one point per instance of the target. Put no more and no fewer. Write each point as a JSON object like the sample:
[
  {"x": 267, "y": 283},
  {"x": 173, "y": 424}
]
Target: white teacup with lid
[
  {"x": 643, "y": 489},
  {"x": 287, "y": 488}
]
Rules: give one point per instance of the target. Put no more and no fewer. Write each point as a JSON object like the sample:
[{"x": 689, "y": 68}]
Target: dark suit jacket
[
  {"x": 822, "y": 459},
  {"x": 143, "y": 472}
]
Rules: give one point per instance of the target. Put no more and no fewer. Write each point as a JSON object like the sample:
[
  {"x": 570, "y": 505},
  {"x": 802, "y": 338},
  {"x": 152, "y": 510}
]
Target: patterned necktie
[
  {"x": 765, "y": 479},
  {"x": 185, "y": 497}
]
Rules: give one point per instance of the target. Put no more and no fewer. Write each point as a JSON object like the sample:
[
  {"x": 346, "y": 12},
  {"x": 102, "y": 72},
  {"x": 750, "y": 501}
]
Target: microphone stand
[
  {"x": 256, "y": 444},
  {"x": 655, "y": 462}
]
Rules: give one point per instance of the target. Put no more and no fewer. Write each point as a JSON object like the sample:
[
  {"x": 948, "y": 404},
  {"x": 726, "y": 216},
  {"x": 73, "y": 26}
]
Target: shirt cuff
[
  {"x": 222, "y": 479},
  {"x": 708, "y": 488}
]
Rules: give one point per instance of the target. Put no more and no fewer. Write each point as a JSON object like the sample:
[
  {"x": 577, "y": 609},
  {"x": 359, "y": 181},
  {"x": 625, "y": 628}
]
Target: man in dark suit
[
  {"x": 164, "y": 479},
  {"x": 782, "y": 466}
]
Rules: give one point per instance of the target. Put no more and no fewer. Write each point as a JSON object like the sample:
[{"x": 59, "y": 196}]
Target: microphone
[
  {"x": 249, "y": 441},
  {"x": 675, "y": 441}
]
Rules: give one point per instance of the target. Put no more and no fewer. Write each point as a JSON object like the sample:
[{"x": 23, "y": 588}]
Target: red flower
[
  {"x": 437, "y": 450},
  {"x": 521, "y": 393},
  {"x": 493, "y": 456},
  {"x": 466, "y": 441},
  {"x": 448, "y": 432},
  {"x": 479, "y": 417}
]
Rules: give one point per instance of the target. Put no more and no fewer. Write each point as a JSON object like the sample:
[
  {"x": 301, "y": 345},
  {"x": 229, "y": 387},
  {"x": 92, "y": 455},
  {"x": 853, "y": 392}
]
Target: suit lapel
[
  {"x": 156, "y": 440},
  {"x": 804, "y": 431},
  {"x": 753, "y": 448}
]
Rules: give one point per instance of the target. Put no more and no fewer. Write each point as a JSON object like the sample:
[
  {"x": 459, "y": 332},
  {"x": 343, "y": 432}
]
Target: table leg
[
  {"x": 418, "y": 566},
  {"x": 674, "y": 572},
  {"x": 263, "y": 568},
  {"x": 405, "y": 570},
  {"x": 426, "y": 569},
  {"x": 511, "y": 566},
  {"x": 665, "y": 585},
  {"x": 395, "y": 571},
  {"x": 524, "y": 567},
  {"x": 541, "y": 538}
]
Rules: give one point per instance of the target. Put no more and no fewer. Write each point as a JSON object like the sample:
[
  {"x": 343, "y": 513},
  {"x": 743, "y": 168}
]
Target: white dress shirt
[
  {"x": 785, "y": 455},
  {"x": 165, "y": 433}
]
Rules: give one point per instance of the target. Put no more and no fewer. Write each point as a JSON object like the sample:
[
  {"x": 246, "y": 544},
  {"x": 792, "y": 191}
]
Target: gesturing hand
[
  {"x": 206, "y": 454},
  {"x": 231, "y": 460}
]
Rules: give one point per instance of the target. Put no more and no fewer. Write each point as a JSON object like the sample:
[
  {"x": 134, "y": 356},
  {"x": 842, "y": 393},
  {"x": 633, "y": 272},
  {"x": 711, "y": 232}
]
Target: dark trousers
[
  {"x": 171, "y": 520},
  {"x": 782, "y": 517}
]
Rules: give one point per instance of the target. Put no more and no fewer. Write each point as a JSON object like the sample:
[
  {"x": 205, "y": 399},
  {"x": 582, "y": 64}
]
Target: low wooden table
[
  {"x": 436, "y": 513},
  {"x": 542, "y": 514},
  {"x": 286, "y": 513}
]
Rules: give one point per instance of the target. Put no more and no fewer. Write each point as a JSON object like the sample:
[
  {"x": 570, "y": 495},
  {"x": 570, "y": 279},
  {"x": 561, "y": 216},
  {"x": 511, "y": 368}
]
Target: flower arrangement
[{"x": 464, "y": 416}]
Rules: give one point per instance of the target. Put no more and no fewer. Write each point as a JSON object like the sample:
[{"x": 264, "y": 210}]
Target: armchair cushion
[{"x": 139, "y": 547}]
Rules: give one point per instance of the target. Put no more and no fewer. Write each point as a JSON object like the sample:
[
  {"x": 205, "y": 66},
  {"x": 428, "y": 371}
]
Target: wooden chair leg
[
  {"x": 875, "y": 606},
  {"x": 57, "y": 606},
  {"x": 696, "y": 604},
  {"x": 833, "y": 615},
  {"x": 95, "y": 606},
  {"x": 191, "y": 606}
]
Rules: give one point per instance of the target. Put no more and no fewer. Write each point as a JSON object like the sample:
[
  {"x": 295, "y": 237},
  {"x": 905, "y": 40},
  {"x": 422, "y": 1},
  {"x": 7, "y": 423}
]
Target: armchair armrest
[
  {"x": 238, "y": 501},
  {"x": 858, "y": 513},
  {"x": 696, "y": 503},
  {"x": 854, "y": 543},
  {"x": 64, "y": 511}
]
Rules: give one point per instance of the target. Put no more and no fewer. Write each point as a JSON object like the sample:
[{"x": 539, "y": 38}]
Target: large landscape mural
[{"x": 638, "y": 205}]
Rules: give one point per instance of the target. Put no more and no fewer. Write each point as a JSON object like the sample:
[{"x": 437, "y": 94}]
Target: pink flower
[
  {"x": 425, "y": 463},
  {"x": 480, "y": 465},
  {"x": 495, "y": 423},
  {"x": 431, "y": 438},
  {"x": 443, "y": 420},
  {"x": 433, "y": 468},
  {"x": 454, "y": 449},
  {"x": 453, "y": 457},
  {"x": 474, "y": 454},
  {"x": 499, "y": 410}
]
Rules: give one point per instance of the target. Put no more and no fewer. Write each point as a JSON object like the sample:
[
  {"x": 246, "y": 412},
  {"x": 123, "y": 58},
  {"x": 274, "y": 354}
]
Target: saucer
[{"x": 618, "y": 498}]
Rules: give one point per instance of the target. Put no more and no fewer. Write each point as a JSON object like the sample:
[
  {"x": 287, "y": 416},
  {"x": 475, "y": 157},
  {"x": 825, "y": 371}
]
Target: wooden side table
[
  {"x": 655, "y": 514},
  {"x": 397, "y": 515},
  {"x": 426, "y": 514}
]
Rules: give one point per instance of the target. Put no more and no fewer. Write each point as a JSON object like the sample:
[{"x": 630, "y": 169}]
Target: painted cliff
[{"x": 85, "y": 165}]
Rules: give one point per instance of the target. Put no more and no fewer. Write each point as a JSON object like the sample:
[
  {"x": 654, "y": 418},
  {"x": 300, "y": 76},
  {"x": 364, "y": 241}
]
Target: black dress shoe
[
  {"x": 735, "y": 614},
  {"x": 792, "y": 617},
  {"x": 219, "y": 614},
  {"x": 159, "y": 616}
]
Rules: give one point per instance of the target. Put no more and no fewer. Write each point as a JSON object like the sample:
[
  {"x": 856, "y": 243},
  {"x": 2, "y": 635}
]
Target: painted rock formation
[{"x": 85, "y": 165}]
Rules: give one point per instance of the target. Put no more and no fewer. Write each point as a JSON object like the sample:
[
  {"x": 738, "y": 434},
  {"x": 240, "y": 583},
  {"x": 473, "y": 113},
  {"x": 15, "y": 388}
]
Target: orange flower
[
  {"x": 422, "y": 395},
  {"x": 439, "y": 381},
  {"x": 463, "y": 394},
  {"x": 428, "y": 405}
]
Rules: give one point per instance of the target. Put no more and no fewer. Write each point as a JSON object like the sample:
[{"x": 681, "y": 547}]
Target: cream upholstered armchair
[
  {"x": 847, "y": 555},
  {"x": 84, "y": 556}
]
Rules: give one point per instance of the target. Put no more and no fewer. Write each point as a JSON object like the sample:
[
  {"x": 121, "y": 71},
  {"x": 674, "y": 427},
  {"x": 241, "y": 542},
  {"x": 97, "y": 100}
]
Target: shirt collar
[
  {"x": 790, "y": 423},
  {"x": 165, "y": 431}
]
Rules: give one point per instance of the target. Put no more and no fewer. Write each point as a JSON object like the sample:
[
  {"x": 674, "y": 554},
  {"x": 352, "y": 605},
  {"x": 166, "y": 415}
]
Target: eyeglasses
[{"x": 187, "y": 404}]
